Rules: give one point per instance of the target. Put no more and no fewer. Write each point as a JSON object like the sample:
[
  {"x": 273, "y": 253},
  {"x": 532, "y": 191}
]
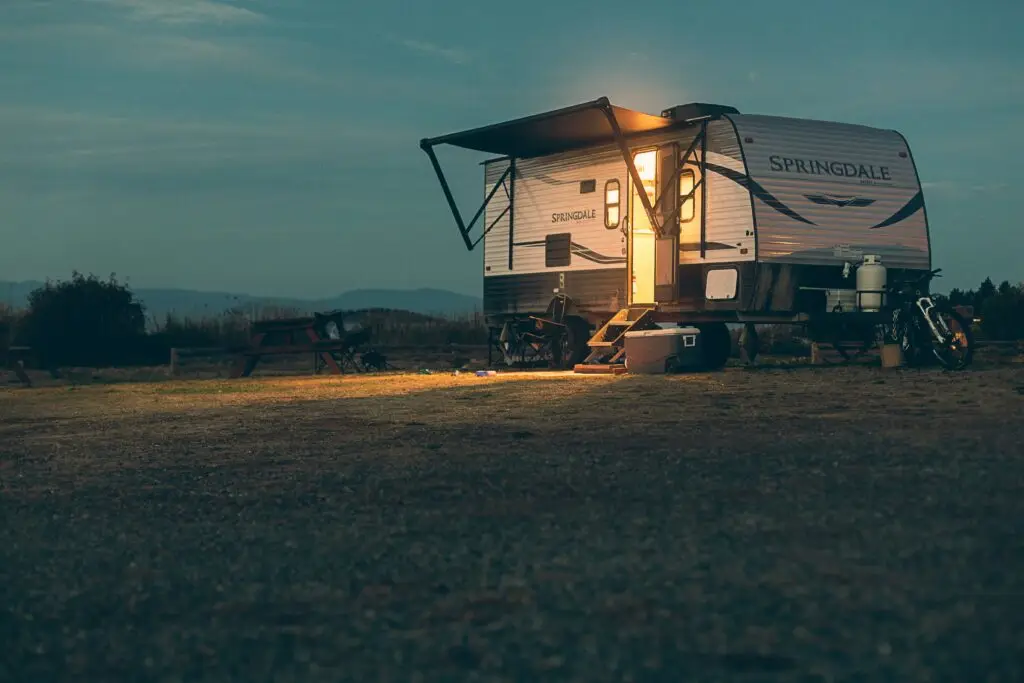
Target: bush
[
  {"x": 1002, "y": 315},
  {"x": 1001, "y": 308},
  {"x": 230, "y": 329},
  {"x": 10, "y": 320},
  {"x": 84, "y": 321}
]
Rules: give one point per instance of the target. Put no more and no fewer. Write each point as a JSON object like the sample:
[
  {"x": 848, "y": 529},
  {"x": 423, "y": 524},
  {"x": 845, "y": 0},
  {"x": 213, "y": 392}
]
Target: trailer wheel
[
  {"x": 571, "y": 348},
  {"x": 716, "y": 345}
]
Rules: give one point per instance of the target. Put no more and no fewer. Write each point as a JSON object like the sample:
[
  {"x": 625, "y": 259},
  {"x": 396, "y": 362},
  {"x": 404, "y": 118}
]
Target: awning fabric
[{"x": 561, "y": 130}]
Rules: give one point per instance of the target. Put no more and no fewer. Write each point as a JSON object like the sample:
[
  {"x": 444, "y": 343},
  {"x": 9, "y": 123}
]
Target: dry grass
[{"x": 785, "y": 524}]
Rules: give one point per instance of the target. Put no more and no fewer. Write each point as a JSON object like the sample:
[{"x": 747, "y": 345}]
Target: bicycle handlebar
[{"x": 901, "y": 286}]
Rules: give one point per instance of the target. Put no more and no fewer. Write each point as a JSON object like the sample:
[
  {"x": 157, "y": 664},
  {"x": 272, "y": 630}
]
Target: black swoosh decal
[
  {"x": 755, "y": 189},
  {"x": 915, "y": 204},
  {"x": 695, "y": 246},
  {"x": 591, "y": 255},
  {"x": 579, "y": 250}
]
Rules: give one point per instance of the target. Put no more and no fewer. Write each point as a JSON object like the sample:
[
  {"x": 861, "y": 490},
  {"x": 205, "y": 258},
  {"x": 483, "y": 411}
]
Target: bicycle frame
[{"x": 925, "y": 305}]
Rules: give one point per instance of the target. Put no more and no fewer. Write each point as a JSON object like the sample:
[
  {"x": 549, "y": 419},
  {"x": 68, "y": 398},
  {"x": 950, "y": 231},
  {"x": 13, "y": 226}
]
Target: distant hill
[{"x": 191, "y": 303}]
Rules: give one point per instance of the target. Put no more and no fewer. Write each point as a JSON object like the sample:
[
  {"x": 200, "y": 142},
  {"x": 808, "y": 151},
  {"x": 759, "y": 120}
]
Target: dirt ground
[{"x": 787, "y": 523}]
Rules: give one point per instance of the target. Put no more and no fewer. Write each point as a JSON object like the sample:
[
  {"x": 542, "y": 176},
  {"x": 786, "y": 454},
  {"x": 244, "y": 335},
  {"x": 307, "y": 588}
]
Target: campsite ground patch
[{"x": 787, "y": 524}]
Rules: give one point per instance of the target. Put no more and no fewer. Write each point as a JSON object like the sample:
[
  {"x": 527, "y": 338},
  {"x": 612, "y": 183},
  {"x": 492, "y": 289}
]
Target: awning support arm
[
  {"x": 682, "y": 200},
  {"x": 463, "y": 228},
  {"x": 651, "y": 209},
  {"x": 493, "y": 223},
  {"x": 620, "y": 140},
  {"x": 605, "y": 107},
  {"x": 683, "y": 160}
]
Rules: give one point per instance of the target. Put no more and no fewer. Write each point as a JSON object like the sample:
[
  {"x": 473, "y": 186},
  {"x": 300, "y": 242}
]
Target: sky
[{"x": 271, "y": 146}]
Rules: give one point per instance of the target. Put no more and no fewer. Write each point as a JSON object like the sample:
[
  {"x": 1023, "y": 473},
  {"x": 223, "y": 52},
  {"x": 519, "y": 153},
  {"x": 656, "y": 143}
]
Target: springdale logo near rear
[{"x": 865, "y": 173}]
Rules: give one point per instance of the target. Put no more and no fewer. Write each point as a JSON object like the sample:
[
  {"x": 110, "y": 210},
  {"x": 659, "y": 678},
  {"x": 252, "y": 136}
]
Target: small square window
[
  {"x": 588, "y": 186},
  {"x": 558, "y": 250}
]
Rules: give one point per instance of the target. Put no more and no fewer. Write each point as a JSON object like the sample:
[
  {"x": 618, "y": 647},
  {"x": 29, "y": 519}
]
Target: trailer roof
[{"x": 560, "y": 130}]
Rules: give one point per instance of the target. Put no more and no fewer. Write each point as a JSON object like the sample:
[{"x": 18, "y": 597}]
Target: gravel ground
[{"x": 801, "y": 524}]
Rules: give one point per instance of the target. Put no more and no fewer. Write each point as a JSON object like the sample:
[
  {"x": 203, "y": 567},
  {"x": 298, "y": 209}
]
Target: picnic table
[
  {"x": 13, "y": 358},
  {"x": 301, "y": 335}
]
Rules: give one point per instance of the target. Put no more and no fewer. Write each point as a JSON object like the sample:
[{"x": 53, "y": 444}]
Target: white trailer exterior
[
  {"x": 779, "y": 190},
  {"x": 595, "y": 214}
]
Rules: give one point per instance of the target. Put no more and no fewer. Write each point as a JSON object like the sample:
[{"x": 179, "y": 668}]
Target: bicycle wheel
[{"x": 956, "y": 350}]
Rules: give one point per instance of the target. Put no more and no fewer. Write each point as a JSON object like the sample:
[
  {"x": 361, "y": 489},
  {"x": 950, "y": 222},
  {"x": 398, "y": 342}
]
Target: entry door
[
  {"x": 641, "y": 232},
  {"x": 666, "y": 247}
]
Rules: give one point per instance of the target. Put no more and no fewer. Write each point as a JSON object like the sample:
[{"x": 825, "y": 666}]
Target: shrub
[{"x": 84, "y": 321}]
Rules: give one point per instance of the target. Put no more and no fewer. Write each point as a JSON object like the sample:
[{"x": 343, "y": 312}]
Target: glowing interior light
[
  {"x": 686, "y": 185},
  {"x": 611, "y": 204},
  {"x": 646, "y": 164}
]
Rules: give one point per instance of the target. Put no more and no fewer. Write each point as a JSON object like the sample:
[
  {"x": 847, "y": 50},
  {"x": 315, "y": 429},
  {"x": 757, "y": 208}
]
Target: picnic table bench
[
  {"x": 13, "y": 358},
  {"x": 301, "y": 335}
]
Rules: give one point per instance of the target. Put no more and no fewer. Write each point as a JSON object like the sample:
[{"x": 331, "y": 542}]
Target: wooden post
[
  {"x": 174, "y": 362},
  {"x": 815, "y": 354}
]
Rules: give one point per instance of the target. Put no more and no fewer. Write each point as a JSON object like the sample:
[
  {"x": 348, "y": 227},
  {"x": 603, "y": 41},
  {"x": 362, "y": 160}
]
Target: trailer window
[
  {"x": 686, "y": 203},
  {"x": 611, "y": 204},
  {"x": 587, "y": 186}
]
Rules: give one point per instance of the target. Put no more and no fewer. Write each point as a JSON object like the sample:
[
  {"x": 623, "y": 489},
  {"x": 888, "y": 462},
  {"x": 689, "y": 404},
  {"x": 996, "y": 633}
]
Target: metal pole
[
  {"x": 645, "y": 201},
  {"x": 512, "y": 210},
  {"x": 703, "y": 187},
  {"x": 447, "y": 194}
]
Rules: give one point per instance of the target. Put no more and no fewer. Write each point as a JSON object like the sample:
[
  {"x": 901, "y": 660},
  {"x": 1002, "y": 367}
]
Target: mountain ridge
[{"x": 161, "y": 301}]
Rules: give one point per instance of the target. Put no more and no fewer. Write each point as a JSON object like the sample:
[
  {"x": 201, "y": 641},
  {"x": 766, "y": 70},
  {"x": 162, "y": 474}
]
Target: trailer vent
[
  {"x": 697, "y": 110},
  {"x": 587, "y": 186}
]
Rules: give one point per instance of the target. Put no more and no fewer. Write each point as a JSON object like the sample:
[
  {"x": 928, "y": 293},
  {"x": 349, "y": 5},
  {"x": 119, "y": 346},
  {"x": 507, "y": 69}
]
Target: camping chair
[
  {"x": 375, "y": 361},
  {"x": 353, "y": 342},
  {"x": 546, "y": 334}
]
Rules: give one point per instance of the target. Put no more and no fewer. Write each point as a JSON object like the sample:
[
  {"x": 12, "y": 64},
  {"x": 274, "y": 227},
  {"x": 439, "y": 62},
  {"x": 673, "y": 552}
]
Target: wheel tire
[
  {"x": 571, "y": 348},
  {"x": 965, "y": 329},
  {"x": 716, "y": 345},
  {"x": 578, "y": 331}
]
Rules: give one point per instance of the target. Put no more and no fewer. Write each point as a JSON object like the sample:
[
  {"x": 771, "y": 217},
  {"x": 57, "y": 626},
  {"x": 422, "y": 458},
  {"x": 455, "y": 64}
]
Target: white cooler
[{"x": 659, "y": 351}]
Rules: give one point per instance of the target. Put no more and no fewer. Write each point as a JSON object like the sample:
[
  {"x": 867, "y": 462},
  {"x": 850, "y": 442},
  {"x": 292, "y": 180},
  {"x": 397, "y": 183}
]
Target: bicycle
[{"x": 923, "y": 327}]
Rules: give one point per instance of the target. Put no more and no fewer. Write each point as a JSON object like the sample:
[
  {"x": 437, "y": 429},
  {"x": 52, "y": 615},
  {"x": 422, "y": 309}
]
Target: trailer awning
[{"x": 561, "y": 130}]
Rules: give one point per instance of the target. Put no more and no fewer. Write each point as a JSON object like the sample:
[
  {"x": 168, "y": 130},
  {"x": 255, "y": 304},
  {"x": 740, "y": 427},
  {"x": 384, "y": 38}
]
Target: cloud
[
  {"x": 959, "y": 188},
  {"x": 186, "y": 11},
  {"x": 449, "y": 54},
  {"x": 48, "y": 140},
  {"x": 122, "y": 48}
]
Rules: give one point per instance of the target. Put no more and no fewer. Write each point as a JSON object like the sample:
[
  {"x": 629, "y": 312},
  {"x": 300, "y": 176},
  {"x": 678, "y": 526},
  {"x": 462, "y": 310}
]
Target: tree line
[
  {"x": 1000, "y": 308},
  {"x": 86, "y": 321},
  {"x": 91, "y": 322}
]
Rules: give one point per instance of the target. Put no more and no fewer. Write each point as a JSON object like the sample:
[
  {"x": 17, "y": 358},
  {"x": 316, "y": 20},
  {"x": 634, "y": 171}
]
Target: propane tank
[{"x": 871, "y": 280}]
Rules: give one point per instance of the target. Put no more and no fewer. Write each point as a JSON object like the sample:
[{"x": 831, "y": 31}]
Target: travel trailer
[{"x": 600, "y": 217}]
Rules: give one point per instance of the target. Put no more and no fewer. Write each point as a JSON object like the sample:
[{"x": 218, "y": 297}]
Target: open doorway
[{"x": 641, "y": 232}]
